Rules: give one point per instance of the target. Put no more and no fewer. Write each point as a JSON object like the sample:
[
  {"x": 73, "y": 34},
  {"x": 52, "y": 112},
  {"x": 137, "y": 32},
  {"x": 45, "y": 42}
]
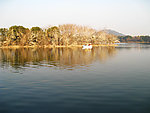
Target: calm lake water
[{"x": 72, "y": 80}]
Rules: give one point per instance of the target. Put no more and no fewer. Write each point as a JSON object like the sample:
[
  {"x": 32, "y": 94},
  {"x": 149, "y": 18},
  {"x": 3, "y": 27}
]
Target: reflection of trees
[{"x": 58, "y": 57}]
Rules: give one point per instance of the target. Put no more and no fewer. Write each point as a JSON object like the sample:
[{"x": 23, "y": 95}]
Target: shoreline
[{"x": 44, "y": 46}]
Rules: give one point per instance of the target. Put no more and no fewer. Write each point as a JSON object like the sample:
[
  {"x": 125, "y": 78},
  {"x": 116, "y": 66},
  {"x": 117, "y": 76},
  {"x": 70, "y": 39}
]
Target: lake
[{"x": 72, "y": 80}]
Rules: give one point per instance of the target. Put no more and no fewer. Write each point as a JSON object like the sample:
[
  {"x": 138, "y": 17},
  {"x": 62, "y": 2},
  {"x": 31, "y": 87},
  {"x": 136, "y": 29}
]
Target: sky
[{"x": 130, "y": 17}]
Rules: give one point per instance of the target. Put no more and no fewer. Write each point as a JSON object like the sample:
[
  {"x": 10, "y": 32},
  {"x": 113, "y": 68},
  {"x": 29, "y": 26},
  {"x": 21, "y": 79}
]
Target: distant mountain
[{"x": 109, "y": 31}]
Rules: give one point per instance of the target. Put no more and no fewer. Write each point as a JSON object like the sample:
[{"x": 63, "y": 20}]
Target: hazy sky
[{"x": 126, "y": 16}]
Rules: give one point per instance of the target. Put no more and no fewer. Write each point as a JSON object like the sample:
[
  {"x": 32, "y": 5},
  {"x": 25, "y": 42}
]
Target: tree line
[
  {"x": 62, "y": 35},
  {"x": 140, "y": 39}
]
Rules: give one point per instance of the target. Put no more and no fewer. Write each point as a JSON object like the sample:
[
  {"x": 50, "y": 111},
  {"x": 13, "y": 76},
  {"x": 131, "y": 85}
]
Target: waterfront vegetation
[
  {"x": 62, "y": 35},
  {"x": 134, "y": 39}
]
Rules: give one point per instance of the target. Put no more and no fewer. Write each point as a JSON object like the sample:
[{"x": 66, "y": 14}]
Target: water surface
[{"x": 72, "y": 80}]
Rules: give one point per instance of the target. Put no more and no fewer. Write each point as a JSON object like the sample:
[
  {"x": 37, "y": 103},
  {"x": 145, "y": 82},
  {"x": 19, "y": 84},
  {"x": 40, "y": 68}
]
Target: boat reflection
[{"x": 64, "y": 58}]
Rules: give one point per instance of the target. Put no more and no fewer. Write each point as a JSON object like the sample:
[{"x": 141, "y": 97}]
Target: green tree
[
  {"x": 16, "y": 35},
  {"x": 3, "y": 34},
  {"x": 53, "y": 35},
  {"x": 36, "y": 36}
]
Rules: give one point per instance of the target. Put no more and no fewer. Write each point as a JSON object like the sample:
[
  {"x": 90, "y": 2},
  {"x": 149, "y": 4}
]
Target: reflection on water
[
  {"x": 68, "y": 58},
  {"x": 103, "y": 84}
]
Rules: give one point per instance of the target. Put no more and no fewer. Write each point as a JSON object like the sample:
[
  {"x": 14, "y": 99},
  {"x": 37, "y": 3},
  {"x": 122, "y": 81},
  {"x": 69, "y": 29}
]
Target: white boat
[{"x": 87, "y": 46}]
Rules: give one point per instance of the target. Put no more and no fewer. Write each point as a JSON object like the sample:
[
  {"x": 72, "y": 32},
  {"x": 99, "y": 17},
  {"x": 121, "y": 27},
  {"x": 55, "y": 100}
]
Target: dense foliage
[
  {"x": 67, "y": 34},
  {"x": 142, "y": 39}
]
